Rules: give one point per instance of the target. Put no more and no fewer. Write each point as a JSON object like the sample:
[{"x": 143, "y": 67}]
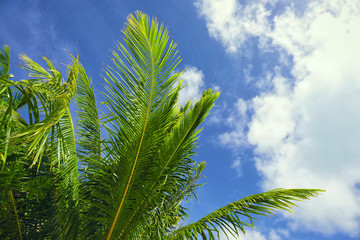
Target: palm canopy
[{"x": 58, "y": 182}]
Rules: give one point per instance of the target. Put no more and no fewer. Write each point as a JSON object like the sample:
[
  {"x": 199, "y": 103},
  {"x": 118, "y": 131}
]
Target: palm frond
[
  {"x": 164, "y": 218},
  {"x": 67, "y": 191},
  {"x": 45, "y": 94},
  {"x": 228, "y": 219},
  {"x": 5, "y": 62},
  {"x": 6, "y": 106},
  {"x": 5, "y": 125},
  {"x": 89, "y": 136},
  {"x": 49, "y": 139},
  {"x": 139, "y": 88},
  {"x": 29, "y": 207},
  {"x": 174, "y": 167},
  {"x": 67, "y": 188}
]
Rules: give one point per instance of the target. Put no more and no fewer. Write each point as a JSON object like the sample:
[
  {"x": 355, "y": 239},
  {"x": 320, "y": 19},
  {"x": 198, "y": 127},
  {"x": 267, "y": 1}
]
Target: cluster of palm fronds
[{"x": 58, "y": 182}]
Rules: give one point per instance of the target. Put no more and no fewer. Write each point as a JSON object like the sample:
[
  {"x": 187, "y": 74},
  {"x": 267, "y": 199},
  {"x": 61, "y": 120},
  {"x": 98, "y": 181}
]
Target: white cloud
[
  {"x": 235, "y": 139},
  {"x": 38, "y": 36},
  {"x": 306, "y": 131},
  {"x": 193, "y": 80},
  {"x": 237, "y": 166},
  {"x": 216, "y": 88},
  {"x": 274, "y": 235},
  {"x": 250, "y": 234},
  {"x": 237, "y": 121},
  {"x": 254, "y": 234},
  {"x": 231, "y": 23},
  {"x": 308, "y": 136}
]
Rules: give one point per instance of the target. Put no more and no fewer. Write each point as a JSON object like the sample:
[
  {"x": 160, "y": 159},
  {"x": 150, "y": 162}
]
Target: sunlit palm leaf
[
  {"x": 89, "y": 136},
  {"x": 48, "y": 99},
  {"x": 229, "y": 218},
  {"x": 139, "y": 90}
]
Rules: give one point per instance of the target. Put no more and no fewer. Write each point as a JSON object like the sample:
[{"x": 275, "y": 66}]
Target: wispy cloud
[
  {"x": 193, "y": 81},
  {"x": 32, "y": 32},
  {"x": 304, "y": 129},
  {"x": 237, "y": 121},
  {"x": 253, "y": 234}
]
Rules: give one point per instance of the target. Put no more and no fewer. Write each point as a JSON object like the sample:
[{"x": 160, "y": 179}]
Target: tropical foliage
[{"x": 122, "y": 174}]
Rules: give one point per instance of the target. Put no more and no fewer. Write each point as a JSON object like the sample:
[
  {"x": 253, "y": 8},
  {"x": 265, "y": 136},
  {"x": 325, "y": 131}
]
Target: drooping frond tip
[{"x": 241, "y": 213}]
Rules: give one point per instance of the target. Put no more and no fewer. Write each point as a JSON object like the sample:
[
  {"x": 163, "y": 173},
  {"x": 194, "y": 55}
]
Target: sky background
[{"x": 288, "y": 71}]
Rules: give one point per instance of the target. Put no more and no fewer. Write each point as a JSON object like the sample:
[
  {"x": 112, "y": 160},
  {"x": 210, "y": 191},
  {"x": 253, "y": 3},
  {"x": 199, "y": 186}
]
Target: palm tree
[{"x": 58, "y": 182}]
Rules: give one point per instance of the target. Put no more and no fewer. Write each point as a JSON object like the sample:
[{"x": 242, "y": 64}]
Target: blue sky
[{"x": 288, "y": 71}]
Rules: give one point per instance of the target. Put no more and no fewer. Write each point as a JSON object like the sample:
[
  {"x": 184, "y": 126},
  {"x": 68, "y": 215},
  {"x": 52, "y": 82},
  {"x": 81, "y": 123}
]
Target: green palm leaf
[
  {"x": 89, "y": 136},
  {"x": 48, "y": 99},
  {"x": 173, "y": 178},
  {"x": 141, "y": 101},
  {"x": 228, "y": 219}
]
